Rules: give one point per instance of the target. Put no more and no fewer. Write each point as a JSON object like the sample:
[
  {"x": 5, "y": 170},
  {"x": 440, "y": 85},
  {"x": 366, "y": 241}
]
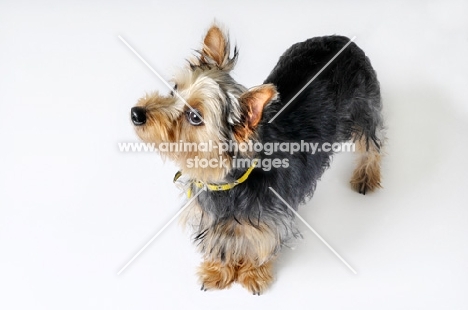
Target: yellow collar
[{"x": 218, "y": 187}]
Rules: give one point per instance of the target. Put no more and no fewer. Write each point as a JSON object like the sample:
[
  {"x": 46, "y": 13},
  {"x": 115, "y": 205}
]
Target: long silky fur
[
  {"x": 342, "y": 103},
  {"x": 240, "y": 231}
]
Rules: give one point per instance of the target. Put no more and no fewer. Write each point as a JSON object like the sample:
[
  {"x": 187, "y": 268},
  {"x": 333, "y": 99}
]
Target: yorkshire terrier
[{"x": 239, "y": 225}]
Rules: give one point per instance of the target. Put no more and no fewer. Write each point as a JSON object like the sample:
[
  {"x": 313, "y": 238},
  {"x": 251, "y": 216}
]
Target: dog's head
[{"x": 206, "y": 104}]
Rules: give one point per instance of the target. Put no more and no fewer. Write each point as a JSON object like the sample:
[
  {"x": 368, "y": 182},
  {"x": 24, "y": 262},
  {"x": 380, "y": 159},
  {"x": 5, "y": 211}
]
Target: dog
[{"x": 238, "y": 224}]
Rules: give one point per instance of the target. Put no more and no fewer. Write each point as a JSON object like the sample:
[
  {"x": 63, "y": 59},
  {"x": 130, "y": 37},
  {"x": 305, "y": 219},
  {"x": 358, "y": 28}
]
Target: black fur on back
[{"x": 342, "y": 103}]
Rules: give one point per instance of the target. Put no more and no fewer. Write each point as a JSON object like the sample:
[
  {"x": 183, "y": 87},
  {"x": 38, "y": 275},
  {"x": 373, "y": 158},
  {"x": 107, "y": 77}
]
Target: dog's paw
[
  {"x": 256, "y": 279},
  {"x": 366, "y": 179},
  {"x": 214, "y": 275}
]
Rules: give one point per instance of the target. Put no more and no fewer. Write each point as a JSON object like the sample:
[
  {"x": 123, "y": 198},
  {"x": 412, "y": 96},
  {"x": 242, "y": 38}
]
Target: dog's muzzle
[{"x": 138, "y": 115}]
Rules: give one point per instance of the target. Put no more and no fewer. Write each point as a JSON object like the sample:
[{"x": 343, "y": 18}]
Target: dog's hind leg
[
  {"x": 366, "y": 125},
  {"x": 366, "y": 176}
]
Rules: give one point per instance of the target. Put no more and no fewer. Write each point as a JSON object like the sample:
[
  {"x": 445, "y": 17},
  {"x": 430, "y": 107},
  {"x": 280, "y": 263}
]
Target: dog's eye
[{"x": 194, "y": 118}]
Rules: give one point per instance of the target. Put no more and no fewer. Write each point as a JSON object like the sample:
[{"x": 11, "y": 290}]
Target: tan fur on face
[
  {"x": 207, "y": 86},
  {"x": 366, "y": 176},
  {"x": 167, "y": 123},
  {"x": 163, "y": 115}
]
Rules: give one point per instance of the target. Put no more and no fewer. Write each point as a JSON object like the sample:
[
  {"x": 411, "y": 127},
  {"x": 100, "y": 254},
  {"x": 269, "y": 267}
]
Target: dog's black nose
[{"x": 138, "y": 116}]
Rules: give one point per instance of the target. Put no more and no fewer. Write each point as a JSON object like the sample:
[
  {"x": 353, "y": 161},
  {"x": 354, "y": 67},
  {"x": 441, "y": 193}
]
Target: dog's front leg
[
  {"x": 216, "y": 275},
  {"x": 255, "y": 278}
]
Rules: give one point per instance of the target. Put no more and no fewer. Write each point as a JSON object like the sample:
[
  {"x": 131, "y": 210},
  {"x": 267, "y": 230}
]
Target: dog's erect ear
[
  {"x": 252, "y": 103},
  {"x": 216, "y": 49},
  {"x": 255, "y": 99}
]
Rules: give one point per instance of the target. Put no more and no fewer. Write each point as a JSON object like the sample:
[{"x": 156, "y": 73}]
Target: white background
[{"x": 74, "y": 210}]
